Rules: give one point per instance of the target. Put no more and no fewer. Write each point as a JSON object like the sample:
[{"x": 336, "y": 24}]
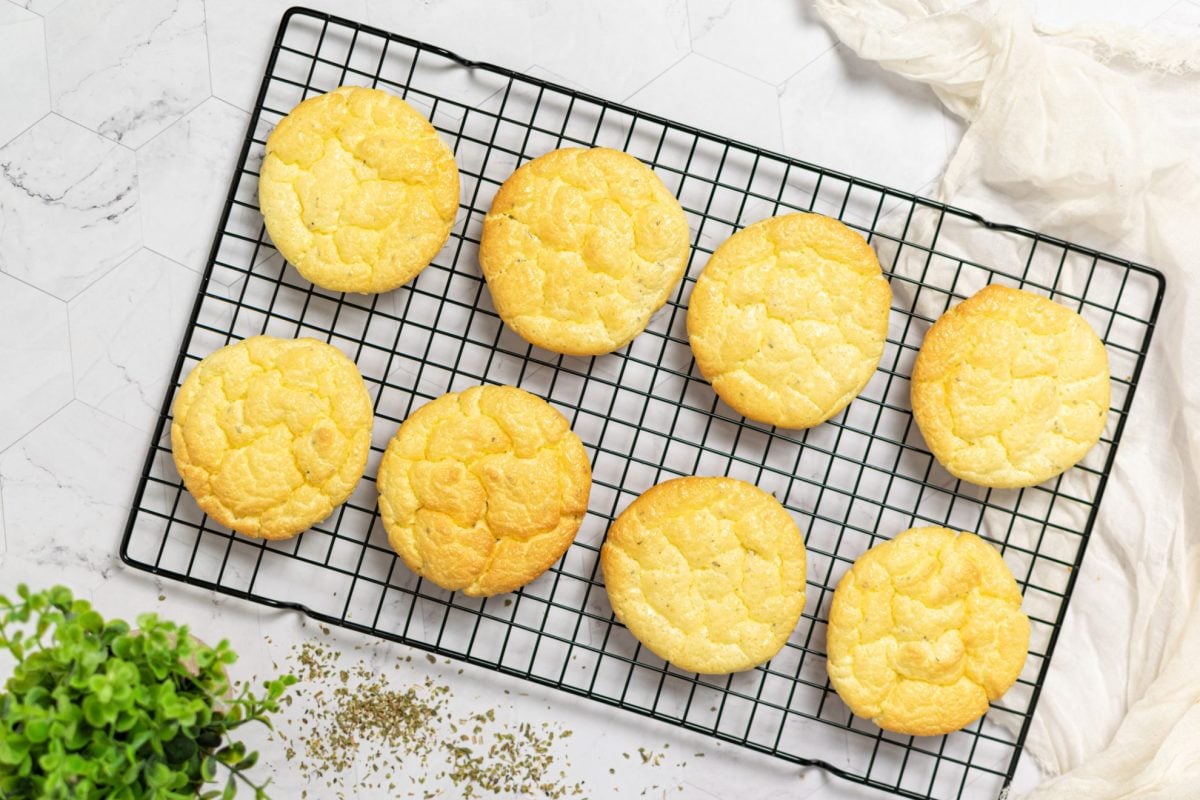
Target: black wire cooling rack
[{"x": 645, "y": 415}]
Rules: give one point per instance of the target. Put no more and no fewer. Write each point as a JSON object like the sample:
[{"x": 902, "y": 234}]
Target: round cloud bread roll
[
  {"x": 708, "y": 573},
  {"x": 482, "y": 491},
  {"x": 925, "y": 630},
  {"x": 1010, "y": 388},
  {"x": 270, "y": 435},
  {"x": 581, "y": 247},
  {"x": 788, "y": 319},
  {"x": 357, "y": 190}
]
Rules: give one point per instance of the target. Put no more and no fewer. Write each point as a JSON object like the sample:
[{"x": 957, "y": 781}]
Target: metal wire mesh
[{"x": 644, "y": 415}]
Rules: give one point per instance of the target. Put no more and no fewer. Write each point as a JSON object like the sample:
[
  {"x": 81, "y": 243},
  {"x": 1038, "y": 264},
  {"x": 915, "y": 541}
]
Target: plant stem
[{"x": 237, "y": 773}]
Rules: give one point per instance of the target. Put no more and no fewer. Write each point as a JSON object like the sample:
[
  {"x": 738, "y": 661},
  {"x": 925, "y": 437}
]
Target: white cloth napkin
[{"x": 1093, "y": 135}]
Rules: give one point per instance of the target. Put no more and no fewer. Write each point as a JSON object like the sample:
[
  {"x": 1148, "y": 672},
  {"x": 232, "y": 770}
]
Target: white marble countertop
[{"x": 119, "y": 126}]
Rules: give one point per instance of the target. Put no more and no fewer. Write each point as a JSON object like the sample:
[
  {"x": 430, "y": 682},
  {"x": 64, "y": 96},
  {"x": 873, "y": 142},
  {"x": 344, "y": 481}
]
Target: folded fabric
[{"x": 1093, "y": 135}]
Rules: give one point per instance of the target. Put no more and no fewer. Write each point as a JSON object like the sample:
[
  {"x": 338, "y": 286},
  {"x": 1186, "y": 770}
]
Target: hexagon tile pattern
[
  {"x": 67, "y": 486},
  {"x": 66, "y": 221},
  {"x": 125, "y": 331},
  {"x": 42, "y": 7},
  {"x": 787, "y": 36},
  {"x": 35, "y": 358},
  {"x": 197, "y": 152},
  {"x": 672, "y": 95},
  {"x": 613, "y": 47},
  {"x": 895, "y": 134},
  {"x": 27, "y": 98},
  {"x": 127, "y": 70},
  {"x": 239, "y": 36}
]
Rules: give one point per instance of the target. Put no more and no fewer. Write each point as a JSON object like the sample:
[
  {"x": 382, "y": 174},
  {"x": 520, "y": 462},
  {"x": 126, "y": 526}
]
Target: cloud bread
[
  {"x": 708, "y": 573},
  {"x": 580, "y": 247},
  {"x": 270, "y": 435},
  {"x": 1010, "y": 388},
  {"x": 482, "y": 491},
  {"x": 788, "y": 319},
  {"x": 925, "y": 631},
  {"x": 357, "y": 190}
]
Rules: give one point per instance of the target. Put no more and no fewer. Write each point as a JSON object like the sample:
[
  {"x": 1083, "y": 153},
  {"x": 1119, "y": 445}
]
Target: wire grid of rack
[{"x": 644, "y": 415}]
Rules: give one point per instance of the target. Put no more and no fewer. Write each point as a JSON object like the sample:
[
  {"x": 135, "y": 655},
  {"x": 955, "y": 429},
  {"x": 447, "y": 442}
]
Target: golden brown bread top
[
  {"x": 788, "y": 319},
  {"x": 580, "y": 247},
  {"x": 925, "y": 630},
  {"x": 357, "y": 190},
  {"x": 1010, "y": 388},
  {"x": 481, "y": 491},
  {"x": 706, "y": 572},
  {"x": 271, "y": 434}
]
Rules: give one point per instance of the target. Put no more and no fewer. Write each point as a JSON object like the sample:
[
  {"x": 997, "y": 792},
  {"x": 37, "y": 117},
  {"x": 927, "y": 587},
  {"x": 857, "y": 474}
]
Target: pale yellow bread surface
[
  {"x": 482, "y": 491},
  {"x": 788, "y": 319},
  {"x": 925, "y": 630},
  {"x": 581, "y": 247},
  {"x": 1010, "y": 388},
  {"x": 708, "y": 573},
  {"x": 357, "y": 190},
  {"x": 270, "y": 435}
]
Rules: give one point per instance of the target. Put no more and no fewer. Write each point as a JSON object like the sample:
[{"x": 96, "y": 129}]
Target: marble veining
[
  {"x": 35, "y": 358},
  {"x": 68, "y": 206},
  {"x": 183, "y": 175},
  {"x": 840, "y": 113},
  {"x": 125, "y": 334},
  {"x": 127, "y": 70},
  {"x": 239, "y": 37},
  {"x": 673, "y": 94},
  {"x": 69, "y": 479},
  {"x": 785, "y": 35},
  {"x": 41, "y": 7},
  {"x": 613, "y": 48}
]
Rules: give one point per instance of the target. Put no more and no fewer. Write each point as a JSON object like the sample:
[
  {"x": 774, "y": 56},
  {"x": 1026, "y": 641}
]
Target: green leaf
[
  {"x": 39, "y": 696},
  {"x": 208, "y": 739},
  {"x": 51, "y": 761},
  {"x": 76, "y": 736},
  {"x": 96, "y": 712},
  {"x": 132, "y": 768},
  {"x": 230, "y": 789},
  {"x": 163, "y": 774},
  {"x": 247, "y": 763},
  {"x": 37, "y": 730},
  {"x": 179, "y": 749},
  {"x": 231, "y": 753},
  {"x": 75, "y": 764},
  {"x": 90, "y": 621},
  {"x": 13, "y": 749},
  {"x": 126, "y": 721}
]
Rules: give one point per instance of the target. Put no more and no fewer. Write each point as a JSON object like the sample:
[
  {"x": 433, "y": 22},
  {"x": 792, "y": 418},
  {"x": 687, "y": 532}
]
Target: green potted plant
[{"x": 96, "y": 709}]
